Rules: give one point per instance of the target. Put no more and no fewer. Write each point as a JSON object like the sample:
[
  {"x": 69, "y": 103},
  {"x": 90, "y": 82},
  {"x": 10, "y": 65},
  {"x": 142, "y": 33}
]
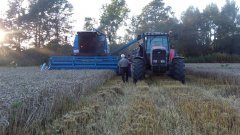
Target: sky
[{"x": 92, "y": 8}]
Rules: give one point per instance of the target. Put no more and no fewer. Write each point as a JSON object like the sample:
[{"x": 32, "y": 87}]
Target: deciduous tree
[
  {"x": 48, "y": 20},
  {"x": 154, "y": 17},
  {"x": 112, "y": 18}
]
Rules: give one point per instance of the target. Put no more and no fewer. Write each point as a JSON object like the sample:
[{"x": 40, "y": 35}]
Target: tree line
[
  {"x": 36, "y": 22},
  {"x": 199, "y": 33},
  {"x": 41, "y": 25}
]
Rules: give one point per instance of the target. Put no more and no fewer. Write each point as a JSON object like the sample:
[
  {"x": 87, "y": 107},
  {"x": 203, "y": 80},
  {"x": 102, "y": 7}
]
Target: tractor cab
[
  {"x": 156, "y": 41},
  {"x": 157, "y": 50}
]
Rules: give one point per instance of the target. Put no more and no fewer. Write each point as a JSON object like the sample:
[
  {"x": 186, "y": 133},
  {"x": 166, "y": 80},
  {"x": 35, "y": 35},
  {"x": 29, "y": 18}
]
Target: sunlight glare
[{"x": 2, "y": 36}]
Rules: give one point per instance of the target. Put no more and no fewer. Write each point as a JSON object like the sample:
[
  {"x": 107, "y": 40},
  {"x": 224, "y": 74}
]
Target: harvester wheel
[
  {"x": 177, "y": 69},
  {"x": 138, "y": 70}
]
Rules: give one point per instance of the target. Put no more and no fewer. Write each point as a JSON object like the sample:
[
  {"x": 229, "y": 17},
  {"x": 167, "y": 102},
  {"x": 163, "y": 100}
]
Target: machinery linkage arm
[{"x": 130, "y": 43}]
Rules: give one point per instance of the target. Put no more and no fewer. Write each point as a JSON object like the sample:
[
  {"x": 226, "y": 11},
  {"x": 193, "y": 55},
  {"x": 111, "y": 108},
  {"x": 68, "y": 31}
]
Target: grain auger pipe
[{"x": 130, "y": 43}]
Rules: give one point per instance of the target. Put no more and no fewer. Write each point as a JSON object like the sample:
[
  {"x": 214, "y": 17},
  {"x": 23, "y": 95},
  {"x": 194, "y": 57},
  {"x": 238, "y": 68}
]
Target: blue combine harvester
[{"x": 90, "y": 51}]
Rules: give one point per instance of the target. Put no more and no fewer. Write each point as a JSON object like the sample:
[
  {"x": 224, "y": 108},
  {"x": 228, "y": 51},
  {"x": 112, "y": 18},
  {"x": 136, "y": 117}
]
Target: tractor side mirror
[
  {"x": 139, "y": 37},
  {"x": 175, "y": 36}
]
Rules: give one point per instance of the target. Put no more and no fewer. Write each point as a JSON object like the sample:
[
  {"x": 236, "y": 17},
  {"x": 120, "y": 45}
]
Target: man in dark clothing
[
  {"x": 123, "y": 64},
  {"x": 129, "y": 65},
  {"x": 140, "y": 53}
]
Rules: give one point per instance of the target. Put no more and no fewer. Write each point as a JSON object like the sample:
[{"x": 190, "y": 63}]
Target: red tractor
[{"x": 156, "y": 55}]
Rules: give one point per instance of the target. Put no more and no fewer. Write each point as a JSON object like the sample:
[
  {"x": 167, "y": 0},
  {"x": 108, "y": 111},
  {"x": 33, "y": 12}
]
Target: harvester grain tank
[
  {"x": 90, "y": 51},
  {"x": 90, "y": 44}
]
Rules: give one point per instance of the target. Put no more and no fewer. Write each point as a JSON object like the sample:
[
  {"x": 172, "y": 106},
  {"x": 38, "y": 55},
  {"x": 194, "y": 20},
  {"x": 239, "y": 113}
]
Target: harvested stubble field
[
  {"x": 207, "y": 104},
  {"x": 226, "y": 72}
]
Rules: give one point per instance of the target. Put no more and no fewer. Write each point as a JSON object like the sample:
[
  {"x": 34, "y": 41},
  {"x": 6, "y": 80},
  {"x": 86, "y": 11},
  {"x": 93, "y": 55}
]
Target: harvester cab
[{"x": 90, "y": 44}]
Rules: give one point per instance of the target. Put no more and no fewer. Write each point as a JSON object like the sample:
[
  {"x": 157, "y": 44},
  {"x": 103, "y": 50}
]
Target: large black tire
[
  {"x": 138, "y": 70},
  {"x": 171, "y": 70},
  {"x": 177, "y": 69}
]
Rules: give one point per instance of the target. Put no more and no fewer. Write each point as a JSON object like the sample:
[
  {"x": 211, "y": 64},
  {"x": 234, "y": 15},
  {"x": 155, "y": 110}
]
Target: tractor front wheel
[
  {"x": 177, "y": 69},
  {"x": 138, "y": 70}
]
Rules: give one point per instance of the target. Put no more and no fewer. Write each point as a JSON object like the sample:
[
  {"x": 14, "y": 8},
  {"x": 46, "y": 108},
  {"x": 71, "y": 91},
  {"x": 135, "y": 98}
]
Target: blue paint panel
[
  {"x": 83, "y": 62},
  {"x": 75, "y": 45}
]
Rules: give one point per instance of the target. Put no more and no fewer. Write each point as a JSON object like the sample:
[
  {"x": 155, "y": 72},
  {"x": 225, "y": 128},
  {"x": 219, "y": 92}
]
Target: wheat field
[
  {"x": 29, "y": 98},
  {"x": 208, "y": 104}
]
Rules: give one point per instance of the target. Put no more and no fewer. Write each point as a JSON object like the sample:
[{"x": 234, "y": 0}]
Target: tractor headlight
[
  {"x": 163, "y": 61},
  {"x": 155, "y": 61},
  {"x": 75, "y": 51}
]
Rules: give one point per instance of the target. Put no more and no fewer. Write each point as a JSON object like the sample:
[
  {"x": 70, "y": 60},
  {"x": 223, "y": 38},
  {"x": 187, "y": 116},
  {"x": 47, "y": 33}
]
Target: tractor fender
[
  {"x": 172, "y": 54},
  {"x": 138, "y": 57},
  {"x": 178, "y": 57}
]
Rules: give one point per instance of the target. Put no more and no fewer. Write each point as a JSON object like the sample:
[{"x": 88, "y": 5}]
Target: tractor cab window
[{"x": 157, "y": 41}]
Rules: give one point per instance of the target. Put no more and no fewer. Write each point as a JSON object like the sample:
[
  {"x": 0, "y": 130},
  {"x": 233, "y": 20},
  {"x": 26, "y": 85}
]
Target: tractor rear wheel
[
  {"x": 177, "y": 69},
  {"x": 138, "y": 70}
]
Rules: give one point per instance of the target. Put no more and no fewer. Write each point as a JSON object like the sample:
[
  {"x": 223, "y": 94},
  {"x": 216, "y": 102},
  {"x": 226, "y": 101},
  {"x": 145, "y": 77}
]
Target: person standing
[
  {"x": 129, "y": 65},
  {"x": 123, "y": 64},
  {"x": 140, "y": 52}
]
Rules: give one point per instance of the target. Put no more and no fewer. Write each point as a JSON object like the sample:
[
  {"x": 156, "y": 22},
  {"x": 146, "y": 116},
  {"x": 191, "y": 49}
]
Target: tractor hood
[
  {"x": 158, "y": 56},
  {"x": 158, "y": 47}
]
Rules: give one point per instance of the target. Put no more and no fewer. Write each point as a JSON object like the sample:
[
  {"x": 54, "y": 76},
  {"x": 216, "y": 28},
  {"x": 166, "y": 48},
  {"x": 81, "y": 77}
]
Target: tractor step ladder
[{"x": 83, "y": 62}]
